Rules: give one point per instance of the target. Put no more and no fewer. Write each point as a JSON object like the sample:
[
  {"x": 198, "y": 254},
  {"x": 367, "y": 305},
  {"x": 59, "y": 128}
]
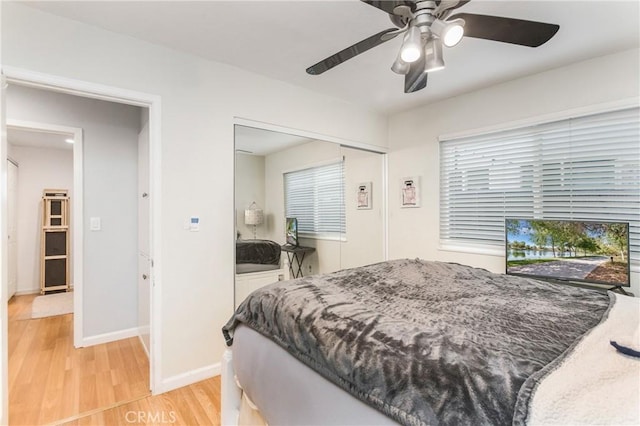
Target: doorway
[
  {"x": 47, "y": 156},
  {"x": 152, "y": 105}
]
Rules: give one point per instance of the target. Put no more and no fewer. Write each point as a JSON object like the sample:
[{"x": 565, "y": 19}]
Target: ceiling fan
[{"x": 427, "y": 25}]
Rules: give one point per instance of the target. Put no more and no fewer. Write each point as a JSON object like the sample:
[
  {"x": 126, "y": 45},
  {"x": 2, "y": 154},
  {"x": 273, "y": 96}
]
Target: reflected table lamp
[{"x": 253, "y": 216}]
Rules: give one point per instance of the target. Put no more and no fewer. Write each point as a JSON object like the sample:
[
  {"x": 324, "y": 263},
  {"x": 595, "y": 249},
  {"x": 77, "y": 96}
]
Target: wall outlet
[{"x": 310, "y": 269}]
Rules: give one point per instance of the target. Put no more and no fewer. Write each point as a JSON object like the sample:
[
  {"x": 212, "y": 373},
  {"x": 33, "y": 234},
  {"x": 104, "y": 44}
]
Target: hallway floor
[{"x": 50, "y": 380}]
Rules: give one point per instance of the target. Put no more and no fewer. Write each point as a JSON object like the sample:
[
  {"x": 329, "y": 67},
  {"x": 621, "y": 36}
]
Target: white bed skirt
[{"x": 237, "y": 408}]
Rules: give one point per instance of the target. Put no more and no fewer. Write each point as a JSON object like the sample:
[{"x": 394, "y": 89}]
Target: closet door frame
[{"x": 12, "y": 227}]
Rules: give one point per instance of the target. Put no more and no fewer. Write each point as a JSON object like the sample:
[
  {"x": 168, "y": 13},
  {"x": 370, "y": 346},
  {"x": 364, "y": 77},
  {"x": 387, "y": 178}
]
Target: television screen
[
  {"x": 292, "y": 231},
  {"x": 581, "y": 251}
]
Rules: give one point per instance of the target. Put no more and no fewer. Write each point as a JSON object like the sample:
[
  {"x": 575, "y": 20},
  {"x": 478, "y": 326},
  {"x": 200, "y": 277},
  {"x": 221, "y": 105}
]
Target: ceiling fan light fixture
[
  {"x": 399, "y": 66},
  {"x": 433, "y": 60},
  {"x": 428, "y": 24},
  {"x": 450, "y": 32},
  {"x": 411, "y": 45}
]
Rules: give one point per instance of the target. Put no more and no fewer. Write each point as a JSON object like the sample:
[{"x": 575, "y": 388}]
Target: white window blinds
[
  {"x": 315, "y": 196},
  {"x": 585, "y": 168}
]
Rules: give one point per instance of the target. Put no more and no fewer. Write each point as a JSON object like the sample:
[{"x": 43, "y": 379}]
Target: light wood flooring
[
  {"x": 51, "y": 382},
  {"x": 193, "y": 405}
]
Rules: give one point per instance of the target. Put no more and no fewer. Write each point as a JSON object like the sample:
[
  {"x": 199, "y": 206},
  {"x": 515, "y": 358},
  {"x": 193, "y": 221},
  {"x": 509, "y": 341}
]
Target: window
[
  {"x": 315, "y": 196},
  {"x": 585, "y": 168}
]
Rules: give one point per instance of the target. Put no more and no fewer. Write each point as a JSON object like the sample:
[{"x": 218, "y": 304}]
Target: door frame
[
  {"x": 77, "y": 209},
  {"x": 92, "y": 90},
  {"x": 12, "y": 265}
]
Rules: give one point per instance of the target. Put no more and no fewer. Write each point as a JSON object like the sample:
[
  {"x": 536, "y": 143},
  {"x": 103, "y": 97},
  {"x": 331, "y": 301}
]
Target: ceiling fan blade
[
  {"x": 460, "y": 4},
  {"x": 446, "y": 6},
  {"x": 507, "y": 30},
  {"x": 388, "y": 6},
  {"x": 351, "y": 51},
  {"x": 416, "y": 78}
]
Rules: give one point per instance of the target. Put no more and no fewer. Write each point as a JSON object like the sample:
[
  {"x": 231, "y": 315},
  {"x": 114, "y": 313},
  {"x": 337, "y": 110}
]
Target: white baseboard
[
  {"x": 144, "y": 347},
  {"x": 185, "y": 379},
  {"x": 142, "y": 331},
  {"x": 25, "y": 292},
  {"x": 110, "y": 337}
]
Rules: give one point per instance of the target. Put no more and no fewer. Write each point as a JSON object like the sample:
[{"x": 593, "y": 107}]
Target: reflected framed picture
[
  {"x": 363, "y": 196},
  {"x": 410, "y": 191}
]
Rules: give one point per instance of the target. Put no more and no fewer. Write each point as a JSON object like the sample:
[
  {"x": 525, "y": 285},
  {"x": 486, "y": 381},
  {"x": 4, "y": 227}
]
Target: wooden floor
[
  {"x": 51, "y": 382},
  {"x": 197, "y": 404}
]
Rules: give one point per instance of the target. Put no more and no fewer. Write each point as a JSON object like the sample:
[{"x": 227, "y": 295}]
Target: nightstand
[{"x": 296, "y": 255}]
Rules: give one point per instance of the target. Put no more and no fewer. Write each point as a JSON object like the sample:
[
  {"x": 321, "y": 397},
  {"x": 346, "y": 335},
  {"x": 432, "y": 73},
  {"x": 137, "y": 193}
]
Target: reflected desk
[{"x": 296, "y": 254}]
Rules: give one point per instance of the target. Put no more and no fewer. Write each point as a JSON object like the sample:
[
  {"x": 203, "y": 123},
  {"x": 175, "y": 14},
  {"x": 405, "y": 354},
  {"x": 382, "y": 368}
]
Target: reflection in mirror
[
  {"x": 363, "y": 243},
  {"x": 331, "y": 193}
]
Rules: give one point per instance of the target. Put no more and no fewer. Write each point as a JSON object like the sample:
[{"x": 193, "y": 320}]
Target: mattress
[{"x": 276, "y": 382}]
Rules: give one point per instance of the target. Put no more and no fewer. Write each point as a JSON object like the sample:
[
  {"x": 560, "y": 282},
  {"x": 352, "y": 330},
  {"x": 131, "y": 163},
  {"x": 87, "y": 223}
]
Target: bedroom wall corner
[{"x": 414, "y": 147}]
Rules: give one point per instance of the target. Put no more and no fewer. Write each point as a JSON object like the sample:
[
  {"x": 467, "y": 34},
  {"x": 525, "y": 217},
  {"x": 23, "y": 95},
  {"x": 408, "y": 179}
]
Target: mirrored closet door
[{"x": 303, "y": 206}]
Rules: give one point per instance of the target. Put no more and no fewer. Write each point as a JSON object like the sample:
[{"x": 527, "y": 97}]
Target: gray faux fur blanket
[{"x": 426, "y": 343}]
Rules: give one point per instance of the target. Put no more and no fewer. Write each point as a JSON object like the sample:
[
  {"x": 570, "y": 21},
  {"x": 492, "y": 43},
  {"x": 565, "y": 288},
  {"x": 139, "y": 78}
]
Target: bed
[
  {"x": 416, "y": 342},
  {"x": 258, "y": 263}
]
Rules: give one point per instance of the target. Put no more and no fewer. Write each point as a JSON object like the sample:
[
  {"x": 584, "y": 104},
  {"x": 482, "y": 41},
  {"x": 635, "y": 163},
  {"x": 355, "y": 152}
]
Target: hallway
[{"x": 50, "y": 380}]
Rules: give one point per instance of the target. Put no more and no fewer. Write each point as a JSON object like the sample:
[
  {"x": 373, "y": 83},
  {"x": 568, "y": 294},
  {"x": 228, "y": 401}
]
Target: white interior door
[
  {"x": 12, "y": 228},
  {"x": 144, "y": 255}
]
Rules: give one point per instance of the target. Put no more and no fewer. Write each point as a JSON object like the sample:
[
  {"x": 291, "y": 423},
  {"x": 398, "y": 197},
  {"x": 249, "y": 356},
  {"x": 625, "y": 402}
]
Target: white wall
[
  {"x": 250, "y": 188},
  {"x": 39, "y": 168},
  {"x": 413, "y": 140},
  {"x": 199, "y": 102},
  {"x": 110, "y": 139}
]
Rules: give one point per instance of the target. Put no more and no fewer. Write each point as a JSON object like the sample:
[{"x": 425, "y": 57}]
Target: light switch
[
  {"x": 94, "y": 224},
  {"x": 194, "y": 224}
]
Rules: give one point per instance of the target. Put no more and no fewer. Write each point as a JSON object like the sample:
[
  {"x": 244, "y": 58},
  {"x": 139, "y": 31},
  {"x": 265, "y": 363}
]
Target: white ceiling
[
  {"x": 37, "y": 139},
  {"x": 280, "y": 39}
]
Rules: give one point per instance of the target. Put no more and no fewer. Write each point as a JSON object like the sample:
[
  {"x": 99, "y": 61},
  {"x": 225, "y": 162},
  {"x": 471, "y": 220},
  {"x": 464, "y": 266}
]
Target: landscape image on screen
[
  {"x": 596, "y": 252},
  {"x": 292, "y": 231}
]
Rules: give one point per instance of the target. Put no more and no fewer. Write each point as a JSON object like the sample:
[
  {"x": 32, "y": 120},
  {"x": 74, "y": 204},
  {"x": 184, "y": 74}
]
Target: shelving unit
[{"x": 54, "y": 241}]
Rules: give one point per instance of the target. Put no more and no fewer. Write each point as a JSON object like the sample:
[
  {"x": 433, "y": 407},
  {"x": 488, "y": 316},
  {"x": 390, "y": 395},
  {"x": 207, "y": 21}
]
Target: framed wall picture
[
  {"x": 363, "y": 196},
  {"x": 410, "y": 191}
]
